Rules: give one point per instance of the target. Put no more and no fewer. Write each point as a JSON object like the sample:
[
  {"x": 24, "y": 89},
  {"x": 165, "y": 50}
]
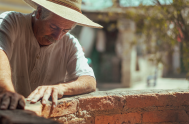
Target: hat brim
[{"x": 64, "y": 12}]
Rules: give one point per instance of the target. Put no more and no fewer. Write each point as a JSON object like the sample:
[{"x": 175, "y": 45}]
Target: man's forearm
[
  {"x": 5, "y": 73},
  {"x": 83, "y": 84}
]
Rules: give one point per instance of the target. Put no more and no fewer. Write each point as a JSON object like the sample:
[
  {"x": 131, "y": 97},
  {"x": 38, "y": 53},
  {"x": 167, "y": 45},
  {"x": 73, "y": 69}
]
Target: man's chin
[{"x": 46, "y": 43}]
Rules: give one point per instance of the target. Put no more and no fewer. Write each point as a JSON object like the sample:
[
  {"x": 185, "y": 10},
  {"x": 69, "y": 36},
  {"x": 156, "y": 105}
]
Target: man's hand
[
  {"x": 45, "y": 92},
  {"x": 11, "y": 100}
]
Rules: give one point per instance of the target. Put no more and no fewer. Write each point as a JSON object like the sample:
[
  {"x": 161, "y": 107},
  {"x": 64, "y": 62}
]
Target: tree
[{"x": 164, "y": 25}]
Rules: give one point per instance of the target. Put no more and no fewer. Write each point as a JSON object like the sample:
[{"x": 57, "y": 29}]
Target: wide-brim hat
[{"x": 68, "y": 9}]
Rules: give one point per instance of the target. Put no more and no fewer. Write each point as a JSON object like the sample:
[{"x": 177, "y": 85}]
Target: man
[{"x": 39, "y": 57}]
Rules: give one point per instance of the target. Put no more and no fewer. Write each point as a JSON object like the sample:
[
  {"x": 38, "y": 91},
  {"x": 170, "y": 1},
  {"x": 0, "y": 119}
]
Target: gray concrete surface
[{"x": 162, "y": 83}]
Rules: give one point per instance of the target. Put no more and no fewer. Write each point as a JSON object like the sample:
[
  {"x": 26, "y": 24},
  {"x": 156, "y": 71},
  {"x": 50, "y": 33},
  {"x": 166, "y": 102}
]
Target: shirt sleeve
[
  {"x": 7, "y": 32},
  {"x": 77, "y": 63}
]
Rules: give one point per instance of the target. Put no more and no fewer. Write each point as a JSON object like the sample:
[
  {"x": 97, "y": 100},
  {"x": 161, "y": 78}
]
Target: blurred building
[
  {"x": 116, "y": 51},
  {"x": 14, "y": 5}
]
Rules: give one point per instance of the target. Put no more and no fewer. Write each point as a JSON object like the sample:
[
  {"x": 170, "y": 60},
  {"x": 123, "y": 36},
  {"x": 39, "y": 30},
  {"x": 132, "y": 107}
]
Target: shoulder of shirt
[
  {"x": 13, "y": 14},
  {"x": 69, "y": 40},
  {"x": 69, "y": 37},
  {"x": 9, "y": 14}
]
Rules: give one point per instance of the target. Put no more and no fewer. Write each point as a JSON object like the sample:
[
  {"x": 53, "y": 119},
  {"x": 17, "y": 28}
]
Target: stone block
[
  {"x": 161, "y": 99},
  {"x": 101, "y": 103},
  {"x": 129, "y": 118},
  {"x": 120, "y": 106},
  {"x": 165, "y": 116},
  {"x": 63, "y": 108},
  {"x": 182, "y": 98}
]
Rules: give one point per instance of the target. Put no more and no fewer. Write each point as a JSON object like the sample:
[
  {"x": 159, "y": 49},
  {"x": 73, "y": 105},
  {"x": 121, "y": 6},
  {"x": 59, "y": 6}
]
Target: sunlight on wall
[
  {"x": 128, "y": 3},
  {"x": 101, "y": 4},
  {"x": 14, "y": 5}
]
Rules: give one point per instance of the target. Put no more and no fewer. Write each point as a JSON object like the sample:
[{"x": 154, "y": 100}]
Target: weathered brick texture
[
  {"x": 63, "y": 108},
  {"x": 129, "y": 118},
  {"x": 101, "y": 103},
  {"x": 166, "y": 116},
  {"x": 122, "y": 107}
]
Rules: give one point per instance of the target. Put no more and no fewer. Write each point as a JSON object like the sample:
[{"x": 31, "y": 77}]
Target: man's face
[{"x": 51, "y": 30}]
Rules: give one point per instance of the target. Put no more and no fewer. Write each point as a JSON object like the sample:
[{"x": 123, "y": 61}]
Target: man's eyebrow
[
  {"x": 54, "y": 25},
  {"x": 58, "y": 27},
  {"x": 67, "y": 29}
]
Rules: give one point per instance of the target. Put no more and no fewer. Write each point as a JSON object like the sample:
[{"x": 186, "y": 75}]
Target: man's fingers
[
  {"x": 21, "y": 103},
  {"x": 1, "y": 98},
  {"x": 46, "y": 95},
  {"x": 60, "y": 94},
  {"x": 45, "y": 92},
  {"x": 39, "y": 94},
  {"x": 10, "y": 100},
  {"x": 5, "y": 102},
  {"x": 54, "y": 97},
  {"x": 30, "y": 97},
  {"x": 13, "y": 101}
]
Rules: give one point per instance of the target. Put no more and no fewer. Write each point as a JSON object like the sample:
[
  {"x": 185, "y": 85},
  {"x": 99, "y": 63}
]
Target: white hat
[{"x": 68, "y": 9}]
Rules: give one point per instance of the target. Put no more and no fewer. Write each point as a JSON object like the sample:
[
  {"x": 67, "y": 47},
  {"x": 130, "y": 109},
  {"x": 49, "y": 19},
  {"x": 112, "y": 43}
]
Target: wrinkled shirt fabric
[{"x": 32, "y": 65}]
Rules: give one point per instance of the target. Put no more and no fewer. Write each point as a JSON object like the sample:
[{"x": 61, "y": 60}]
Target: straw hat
[{"x": 68, "y": 9}]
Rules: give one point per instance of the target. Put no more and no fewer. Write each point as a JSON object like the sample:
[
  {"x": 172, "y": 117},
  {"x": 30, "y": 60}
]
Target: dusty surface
[
  {"x": 109, "y": 107},
  {"x": 122, "y": 107}
]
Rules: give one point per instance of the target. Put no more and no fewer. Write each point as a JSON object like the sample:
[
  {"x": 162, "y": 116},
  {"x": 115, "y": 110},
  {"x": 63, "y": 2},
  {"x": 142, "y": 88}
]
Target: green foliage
[{"x": 162, "y": 26}]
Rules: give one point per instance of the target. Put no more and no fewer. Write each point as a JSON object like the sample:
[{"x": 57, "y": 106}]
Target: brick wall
[{"x": 122, "y": 107}]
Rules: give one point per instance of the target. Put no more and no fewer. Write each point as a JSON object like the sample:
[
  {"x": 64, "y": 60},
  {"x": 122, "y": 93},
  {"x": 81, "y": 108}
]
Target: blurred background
[{"x": 143, "y": 45}]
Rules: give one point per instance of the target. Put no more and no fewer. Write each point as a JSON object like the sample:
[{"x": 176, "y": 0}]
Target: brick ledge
[{"x": 140, "y": 106}]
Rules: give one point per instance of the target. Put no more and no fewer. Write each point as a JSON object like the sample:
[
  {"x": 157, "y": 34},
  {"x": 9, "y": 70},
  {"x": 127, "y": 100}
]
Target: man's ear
[{"x": 39, "y": 11}]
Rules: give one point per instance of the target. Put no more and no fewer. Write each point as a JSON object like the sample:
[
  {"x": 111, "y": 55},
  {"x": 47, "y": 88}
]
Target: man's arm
[
  {"x": 84, "y": 84},
  {"x": 9, "y": 99},
  {"x": 5, "y": 74}
]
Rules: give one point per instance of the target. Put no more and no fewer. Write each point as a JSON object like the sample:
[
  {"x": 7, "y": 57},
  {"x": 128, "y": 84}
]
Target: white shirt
[{"x": 33, "y": 65}]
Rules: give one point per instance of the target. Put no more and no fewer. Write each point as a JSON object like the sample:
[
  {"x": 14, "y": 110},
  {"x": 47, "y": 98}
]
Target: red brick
[
  {"x": 64, "y": 108},
  {"x": 165, "y": 116},
  {"x": 167, "y": 123},
  {"x": 101, "y": 103},
  {"x": 147, "y": 100},
  {"x": 174, "y": 99},
  {"x": 181, "y": 99},
  {"x": 89, "y": 120},
  {"x": 140, "y": 101},
  {"x": 129, "y": 118}
]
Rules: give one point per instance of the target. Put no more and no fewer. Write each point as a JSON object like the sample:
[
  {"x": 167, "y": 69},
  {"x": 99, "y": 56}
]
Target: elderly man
[{"x": 38, "y": 56}]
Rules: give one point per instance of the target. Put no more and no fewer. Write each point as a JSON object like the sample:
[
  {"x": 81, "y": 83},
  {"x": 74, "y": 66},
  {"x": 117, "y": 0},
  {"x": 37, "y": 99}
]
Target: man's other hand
[
  {"x": 45, "y": 92},
  {"x": 11, "y": 100}
]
